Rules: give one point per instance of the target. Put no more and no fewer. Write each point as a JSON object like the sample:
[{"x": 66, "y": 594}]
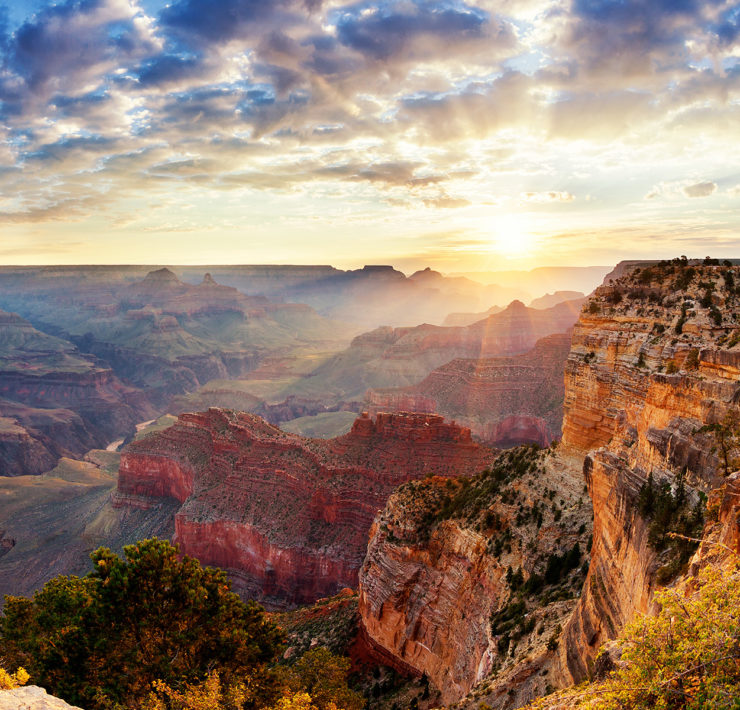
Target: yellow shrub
[{"x": 9, "y": 681}]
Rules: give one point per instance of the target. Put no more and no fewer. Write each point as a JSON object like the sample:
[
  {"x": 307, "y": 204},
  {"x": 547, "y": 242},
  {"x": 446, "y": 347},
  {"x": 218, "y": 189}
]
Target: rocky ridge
[
  {"x": 505, "y": 401},
  {"x": 286, "y": 515}
]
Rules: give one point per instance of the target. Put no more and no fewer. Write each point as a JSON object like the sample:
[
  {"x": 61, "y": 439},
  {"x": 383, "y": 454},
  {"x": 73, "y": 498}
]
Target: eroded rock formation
[
  {"x": 287, "y": 516},
  {"x": 654, "y": 358},
  {"x": 505, "y": 401},
  {"x": 442, "y": 588}
]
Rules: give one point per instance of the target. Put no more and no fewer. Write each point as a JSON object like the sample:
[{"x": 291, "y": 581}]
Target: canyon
[
  {"x": 287, "y": 516},
  {"x": 653, "y": 362},
  {"x": 56, "y": 401},
  {"x": 359, "y": 376},
  {"x": 396, "y": 357},
  {"x": 496, "y": 575}
]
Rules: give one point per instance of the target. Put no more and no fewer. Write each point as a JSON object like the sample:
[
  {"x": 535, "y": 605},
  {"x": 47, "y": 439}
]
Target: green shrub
[{"x": 100, "y": 641}]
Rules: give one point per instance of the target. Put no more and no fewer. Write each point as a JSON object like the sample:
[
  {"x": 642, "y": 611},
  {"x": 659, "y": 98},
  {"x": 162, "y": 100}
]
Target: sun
[{"x": 512, "y": 235}]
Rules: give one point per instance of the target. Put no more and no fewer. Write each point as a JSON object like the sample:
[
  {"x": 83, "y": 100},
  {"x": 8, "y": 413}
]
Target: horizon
[{"x": 482, "y": 135}]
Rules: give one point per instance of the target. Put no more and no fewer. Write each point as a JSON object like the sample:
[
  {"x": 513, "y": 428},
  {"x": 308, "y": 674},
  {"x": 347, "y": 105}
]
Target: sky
[{"x": 465, "y": 136}]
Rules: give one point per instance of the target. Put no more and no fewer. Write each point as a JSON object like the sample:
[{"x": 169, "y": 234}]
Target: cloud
[
  {"x": 414, "y": 29},
  {"x": 682, "y": 188},
  {"x": 70, "y": 46},
  {"x": 205, "y": 22},
  {"x": 550, "y": 196},
  {"x": 700, "y": 189},
  {"x": 446, "y": 202},
  {"x": 436, "y": 103}
]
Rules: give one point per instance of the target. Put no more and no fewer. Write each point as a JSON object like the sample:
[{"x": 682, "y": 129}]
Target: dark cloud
[
  {"x": 728, "y": 26},
  {"x": 629, "y": 38},
  {"x": 208, "y": 22},
  {"x": 169, "y": 68},
  {"x": 388, "y": 31}
]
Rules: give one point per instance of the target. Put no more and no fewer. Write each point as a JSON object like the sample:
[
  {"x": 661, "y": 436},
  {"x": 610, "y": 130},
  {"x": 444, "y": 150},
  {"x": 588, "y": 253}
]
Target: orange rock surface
[{"x": 639, "y": 386}]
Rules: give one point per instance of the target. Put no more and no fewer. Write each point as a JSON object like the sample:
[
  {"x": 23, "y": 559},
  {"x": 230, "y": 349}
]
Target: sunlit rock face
[
  {"x": 287, "y": 516},
  {"x": 505, "y": 401},
  {"x": 435, "y": 575},
  {"x": 653, "y": 359}
]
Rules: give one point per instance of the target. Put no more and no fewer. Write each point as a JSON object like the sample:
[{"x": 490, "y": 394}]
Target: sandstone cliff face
[
  {"x": 434, "y": 590},
  {"x": 288, "y": 516},
  {"x": 652, "y": 361},
  {"x": 505, "y": 401}
]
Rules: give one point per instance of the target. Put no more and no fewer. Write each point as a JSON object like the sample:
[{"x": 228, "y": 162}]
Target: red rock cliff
[{"x": 288, "y": 516}]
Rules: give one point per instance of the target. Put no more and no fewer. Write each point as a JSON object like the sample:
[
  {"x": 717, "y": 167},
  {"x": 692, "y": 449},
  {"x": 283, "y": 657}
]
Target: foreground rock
[
  {"x": 286, "y": 515},
  {"x": 31, "y": 697}
]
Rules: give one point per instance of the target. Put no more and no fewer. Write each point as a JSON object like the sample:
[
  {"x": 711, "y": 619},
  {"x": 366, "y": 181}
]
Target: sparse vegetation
[
  {"x": 686, "y": 657},
  {"x": 670, "y": 511}
]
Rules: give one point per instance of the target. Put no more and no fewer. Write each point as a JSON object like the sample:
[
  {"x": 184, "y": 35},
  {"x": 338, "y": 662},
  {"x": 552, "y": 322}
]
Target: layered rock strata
[
  {"x": 288, "y": 516},
  {"x": 654, "y": 359},
  {"x": 654, "y": 362},
  {"x": 455, "y": 582},
  {"x": 56, "y": 401},
  {"x": 505, "y": 401}
]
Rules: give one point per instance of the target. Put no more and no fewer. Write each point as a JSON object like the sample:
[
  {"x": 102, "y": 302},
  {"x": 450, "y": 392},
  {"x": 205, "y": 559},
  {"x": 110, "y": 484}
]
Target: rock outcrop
[
  {"x": 161, "y": 334},
  {"x": 286, "y": 515},
  {"x": 31, "y": 697},
  {"x": 505, "y": 401},
  {"x": 459, "y": 581}
]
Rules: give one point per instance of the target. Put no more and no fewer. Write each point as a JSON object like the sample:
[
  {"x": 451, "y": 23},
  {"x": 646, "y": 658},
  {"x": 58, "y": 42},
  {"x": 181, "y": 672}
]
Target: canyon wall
[
  {"x": 286, "y": 515},
  {"x": 443, "y": 586},
  {"x": 653, "y": 360},
  {"x": 505, "y": 401}
]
